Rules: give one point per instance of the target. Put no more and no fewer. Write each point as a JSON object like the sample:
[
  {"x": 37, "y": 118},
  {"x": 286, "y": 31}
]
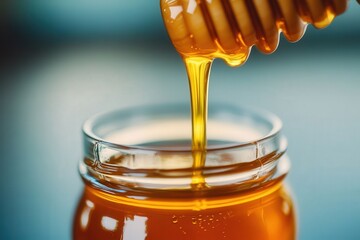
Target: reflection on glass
[
  {"x": 84, "y": 220},
  {"x": 109, "y": 223}
]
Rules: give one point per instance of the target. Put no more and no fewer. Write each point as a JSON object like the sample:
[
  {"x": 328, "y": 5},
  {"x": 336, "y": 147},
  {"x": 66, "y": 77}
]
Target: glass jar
[{"x": 138, "y": 171}]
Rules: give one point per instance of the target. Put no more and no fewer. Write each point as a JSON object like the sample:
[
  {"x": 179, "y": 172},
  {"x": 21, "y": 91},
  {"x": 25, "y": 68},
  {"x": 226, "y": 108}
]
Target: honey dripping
[{"x": 202, "y": 30}]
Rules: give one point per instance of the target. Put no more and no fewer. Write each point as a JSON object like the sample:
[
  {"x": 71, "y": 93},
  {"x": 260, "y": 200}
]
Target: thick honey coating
[{"x": 229, "y": 28}]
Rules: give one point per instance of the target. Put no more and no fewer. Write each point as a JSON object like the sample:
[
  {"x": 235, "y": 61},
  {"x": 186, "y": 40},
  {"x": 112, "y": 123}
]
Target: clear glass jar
[{"x": 138, "y": 170}]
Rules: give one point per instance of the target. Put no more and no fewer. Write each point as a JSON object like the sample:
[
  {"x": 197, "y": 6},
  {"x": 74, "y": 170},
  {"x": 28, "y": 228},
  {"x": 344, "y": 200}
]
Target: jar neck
[
  {"x": 164, "y": 167},
  {"x": 195, "y": 203}
]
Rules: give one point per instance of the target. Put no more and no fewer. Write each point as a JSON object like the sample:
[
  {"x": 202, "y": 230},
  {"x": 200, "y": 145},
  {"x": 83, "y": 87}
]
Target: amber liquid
[
  {"x": 202, "y": 30},
  {"x": 265, "y": 214}
]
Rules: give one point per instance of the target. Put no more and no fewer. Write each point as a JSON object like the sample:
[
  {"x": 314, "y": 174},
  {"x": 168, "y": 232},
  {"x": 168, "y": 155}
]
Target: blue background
[{"x": 63, "y": 61}]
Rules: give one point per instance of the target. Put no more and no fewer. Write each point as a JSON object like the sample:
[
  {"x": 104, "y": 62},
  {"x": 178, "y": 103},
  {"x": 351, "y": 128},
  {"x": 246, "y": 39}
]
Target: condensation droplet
[{"x": 193, "y": 220}]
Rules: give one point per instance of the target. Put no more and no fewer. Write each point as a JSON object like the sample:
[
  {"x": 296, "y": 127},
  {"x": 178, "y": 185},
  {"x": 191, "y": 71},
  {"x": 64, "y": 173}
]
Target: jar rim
[{"x": 88, "y": 127}]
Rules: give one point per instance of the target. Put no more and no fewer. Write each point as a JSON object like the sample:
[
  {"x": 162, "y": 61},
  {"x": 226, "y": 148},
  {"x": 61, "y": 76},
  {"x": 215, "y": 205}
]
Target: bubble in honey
[{"x": 175, "y": 219}]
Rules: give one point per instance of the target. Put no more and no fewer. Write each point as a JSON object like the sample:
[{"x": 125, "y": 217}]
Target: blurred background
[{"x": 62, "y": 61}]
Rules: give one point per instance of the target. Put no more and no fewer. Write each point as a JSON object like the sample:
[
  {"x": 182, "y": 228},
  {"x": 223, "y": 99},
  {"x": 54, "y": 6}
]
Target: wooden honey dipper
[{"x": 229, "y": 28}]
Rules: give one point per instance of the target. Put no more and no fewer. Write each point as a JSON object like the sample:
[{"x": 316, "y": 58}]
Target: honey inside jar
[{"x": 265, "y": 214}]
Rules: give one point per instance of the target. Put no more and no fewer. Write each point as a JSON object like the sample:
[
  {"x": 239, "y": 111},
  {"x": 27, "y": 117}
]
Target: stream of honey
[{"x": 202, "y": 30}]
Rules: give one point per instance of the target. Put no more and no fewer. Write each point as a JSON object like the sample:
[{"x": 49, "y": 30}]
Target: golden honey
[{"x": 263, "y": 214}]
